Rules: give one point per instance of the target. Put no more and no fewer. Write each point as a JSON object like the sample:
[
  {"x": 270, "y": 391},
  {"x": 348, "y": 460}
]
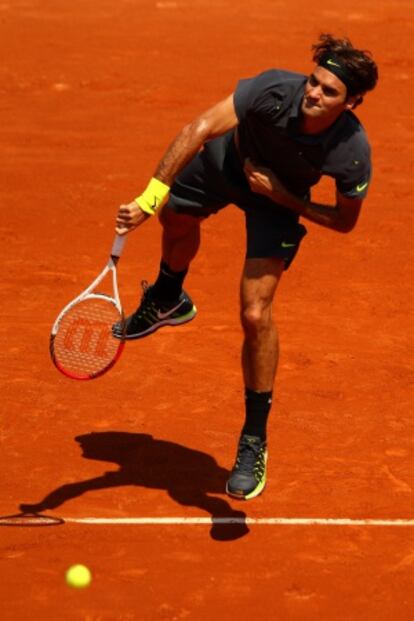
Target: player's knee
[
  {"x": 177, "y": 224},
  {"x": 256, "y": 318}
]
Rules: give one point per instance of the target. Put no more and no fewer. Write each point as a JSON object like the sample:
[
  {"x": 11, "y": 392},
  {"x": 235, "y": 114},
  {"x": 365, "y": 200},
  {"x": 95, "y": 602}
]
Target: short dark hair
[{"x": 358, "y": 63}]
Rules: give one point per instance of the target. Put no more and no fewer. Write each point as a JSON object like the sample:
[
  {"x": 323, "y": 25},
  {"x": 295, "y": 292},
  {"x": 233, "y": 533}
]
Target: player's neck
[{"x": 309, "y": 125}]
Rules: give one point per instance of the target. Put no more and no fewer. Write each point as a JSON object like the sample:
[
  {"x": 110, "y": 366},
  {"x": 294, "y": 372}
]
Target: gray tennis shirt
[{"x": 268, "y": 109}]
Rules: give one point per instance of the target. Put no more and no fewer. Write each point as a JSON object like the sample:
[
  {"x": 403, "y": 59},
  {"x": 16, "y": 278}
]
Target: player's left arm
[{"x": 342, "y": 216}]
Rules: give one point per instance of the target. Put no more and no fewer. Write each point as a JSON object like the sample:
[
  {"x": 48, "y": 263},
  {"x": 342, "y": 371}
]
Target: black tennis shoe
[
  {"x": 152, "y": 314},
  {"x": 248, "y": 477}
]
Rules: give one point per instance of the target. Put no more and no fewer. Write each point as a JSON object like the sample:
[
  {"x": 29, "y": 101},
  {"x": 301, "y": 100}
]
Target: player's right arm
[{"x": 214, "y": 122}]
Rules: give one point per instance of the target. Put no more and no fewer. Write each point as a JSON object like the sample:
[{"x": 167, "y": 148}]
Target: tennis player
[{"x": 262, "y": 149}]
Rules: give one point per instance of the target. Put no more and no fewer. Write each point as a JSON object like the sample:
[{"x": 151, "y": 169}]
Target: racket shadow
[{"x": 190, "y": 477}]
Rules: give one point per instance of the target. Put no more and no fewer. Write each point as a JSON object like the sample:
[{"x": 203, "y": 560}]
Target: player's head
[{"x": 354, "y": 68}]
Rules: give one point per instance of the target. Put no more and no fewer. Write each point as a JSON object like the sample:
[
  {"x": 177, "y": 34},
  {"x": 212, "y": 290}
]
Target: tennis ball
[{"x": 78, "y": 576}]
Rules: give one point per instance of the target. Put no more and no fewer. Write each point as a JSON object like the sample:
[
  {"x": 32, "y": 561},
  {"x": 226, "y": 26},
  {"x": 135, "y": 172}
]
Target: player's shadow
[{"x": 189, "y": 476}]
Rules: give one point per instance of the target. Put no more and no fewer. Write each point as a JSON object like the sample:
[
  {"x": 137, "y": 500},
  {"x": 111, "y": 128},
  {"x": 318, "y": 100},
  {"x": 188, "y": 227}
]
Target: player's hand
[
  {"x": 260, "y": 178},
  {"x": 264, "y": 181},
  {"x": 129, "y": 218}
]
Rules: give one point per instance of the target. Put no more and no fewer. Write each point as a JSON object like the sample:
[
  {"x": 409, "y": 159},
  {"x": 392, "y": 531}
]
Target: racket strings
[{"x": 84, "y": 343}]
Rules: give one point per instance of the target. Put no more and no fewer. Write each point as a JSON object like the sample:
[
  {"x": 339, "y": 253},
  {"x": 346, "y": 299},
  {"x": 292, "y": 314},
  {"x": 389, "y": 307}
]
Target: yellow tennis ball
[{"x": 78, "y": 576}]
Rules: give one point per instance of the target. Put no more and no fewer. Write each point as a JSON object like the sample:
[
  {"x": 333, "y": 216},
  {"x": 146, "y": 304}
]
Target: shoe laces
[
  {"x": 249, "y": 456},
  {"x": 149, "y": 303},
  {"x": 146, "y": 299}
]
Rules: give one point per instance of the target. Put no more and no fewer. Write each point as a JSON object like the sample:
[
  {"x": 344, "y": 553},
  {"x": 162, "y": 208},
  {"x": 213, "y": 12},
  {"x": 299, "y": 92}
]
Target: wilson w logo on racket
[
  {"x": 86, "y": 336},
  {"x": 81, "y": 342}
]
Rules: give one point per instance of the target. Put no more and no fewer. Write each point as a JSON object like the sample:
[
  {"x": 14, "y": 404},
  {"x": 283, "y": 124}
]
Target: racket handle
[{"x": 118, "y": 245}]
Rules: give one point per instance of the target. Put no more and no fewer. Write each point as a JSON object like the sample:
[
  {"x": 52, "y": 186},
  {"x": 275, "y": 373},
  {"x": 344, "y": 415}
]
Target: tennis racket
[{"x": 82, "y": 345}]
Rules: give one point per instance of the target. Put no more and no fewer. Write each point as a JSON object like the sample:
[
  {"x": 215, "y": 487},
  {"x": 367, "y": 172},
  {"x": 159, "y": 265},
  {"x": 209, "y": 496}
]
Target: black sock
[
  {"x": 258, "y": 406},
  {"x": 169, "y": 284}
]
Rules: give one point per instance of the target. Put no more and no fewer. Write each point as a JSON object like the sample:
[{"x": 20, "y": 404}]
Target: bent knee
[
  {"x": 170, "y": 220},
  {"x": 256, "y": 318}
]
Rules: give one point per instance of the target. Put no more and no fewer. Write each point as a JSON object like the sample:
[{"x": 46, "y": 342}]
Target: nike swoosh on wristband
[
  {"x": 162, "y": 316},
  {"x": 361, "y": 187}
]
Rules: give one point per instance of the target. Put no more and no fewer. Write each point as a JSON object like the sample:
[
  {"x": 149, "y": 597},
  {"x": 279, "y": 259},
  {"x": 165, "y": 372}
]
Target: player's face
[{"x": 325, "y": 96}]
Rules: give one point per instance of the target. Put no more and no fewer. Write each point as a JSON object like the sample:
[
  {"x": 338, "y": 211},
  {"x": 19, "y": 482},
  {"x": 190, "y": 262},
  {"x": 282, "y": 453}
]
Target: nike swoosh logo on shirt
[
  {"x": 286, "y": 245},
  {"x": 362, "y": 186}
]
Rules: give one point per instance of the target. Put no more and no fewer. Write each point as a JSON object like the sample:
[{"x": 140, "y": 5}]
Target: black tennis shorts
[{"x": 213, "y": 179}]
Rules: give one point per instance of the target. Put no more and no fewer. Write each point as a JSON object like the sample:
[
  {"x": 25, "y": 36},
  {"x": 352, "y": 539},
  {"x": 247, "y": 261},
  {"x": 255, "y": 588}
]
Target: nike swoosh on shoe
[{"x": 162, "y": 316}]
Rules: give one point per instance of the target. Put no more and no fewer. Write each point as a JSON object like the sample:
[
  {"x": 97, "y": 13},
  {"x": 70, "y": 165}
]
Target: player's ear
[{"x": 353, "y": 101}]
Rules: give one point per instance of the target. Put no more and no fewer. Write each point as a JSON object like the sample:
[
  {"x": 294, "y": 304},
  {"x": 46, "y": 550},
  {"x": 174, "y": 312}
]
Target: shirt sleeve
[
  {"x": 257, "y": 94},
  {"x": 355, "y": 177},
  {"x": 356, "y": 183}
]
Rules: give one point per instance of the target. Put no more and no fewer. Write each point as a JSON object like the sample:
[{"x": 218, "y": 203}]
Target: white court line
[{"x": 144, "y": 521}]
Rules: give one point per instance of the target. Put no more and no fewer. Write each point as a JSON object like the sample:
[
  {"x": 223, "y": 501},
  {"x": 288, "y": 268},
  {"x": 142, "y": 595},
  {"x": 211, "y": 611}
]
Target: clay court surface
[{"x": 91, "y": 94}]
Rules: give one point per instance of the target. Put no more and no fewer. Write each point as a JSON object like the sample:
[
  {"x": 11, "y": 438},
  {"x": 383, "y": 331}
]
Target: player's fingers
[
  {"x": 121, "y": 230},
  {"x": 124, "y": 210},
  {"x": 123, "y": 221},
  {"x": 127, "y": 211}
]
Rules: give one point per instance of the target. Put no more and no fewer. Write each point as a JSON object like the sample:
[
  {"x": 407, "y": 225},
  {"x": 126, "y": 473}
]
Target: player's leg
[
  {"x": 180, "y": 243},
  {"x": 272, "y": 242},
  {"x": 260, "y": 346},
  {"x": 193, "y": 197},
  {"x": 180, "y": 238},
  {"x": 260, "y": 354}
]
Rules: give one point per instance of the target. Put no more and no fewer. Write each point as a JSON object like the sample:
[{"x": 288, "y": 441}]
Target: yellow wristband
[{"x": 153, "y": 197}]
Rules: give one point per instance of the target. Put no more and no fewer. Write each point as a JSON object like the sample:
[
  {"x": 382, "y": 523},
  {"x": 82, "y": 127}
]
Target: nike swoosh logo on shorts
[
  {"x": 286, "y": 245},
  {"x": 162, "y": 316}
]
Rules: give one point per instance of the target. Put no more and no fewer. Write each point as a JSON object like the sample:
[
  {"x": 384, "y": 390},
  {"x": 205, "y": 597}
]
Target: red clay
[{"x": 91, "y": 94}]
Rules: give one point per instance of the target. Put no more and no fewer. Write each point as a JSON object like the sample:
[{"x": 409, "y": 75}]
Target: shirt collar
[
  {"x": 291, "y": 116},
  {"x": 297, "y": 101}
]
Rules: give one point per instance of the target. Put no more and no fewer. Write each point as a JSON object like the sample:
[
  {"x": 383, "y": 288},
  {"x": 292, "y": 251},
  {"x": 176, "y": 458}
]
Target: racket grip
[{"x": 118, "y": 245}]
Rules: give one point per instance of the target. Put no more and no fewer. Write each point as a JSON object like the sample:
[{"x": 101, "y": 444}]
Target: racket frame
[{"x": 88, "y": 294}]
